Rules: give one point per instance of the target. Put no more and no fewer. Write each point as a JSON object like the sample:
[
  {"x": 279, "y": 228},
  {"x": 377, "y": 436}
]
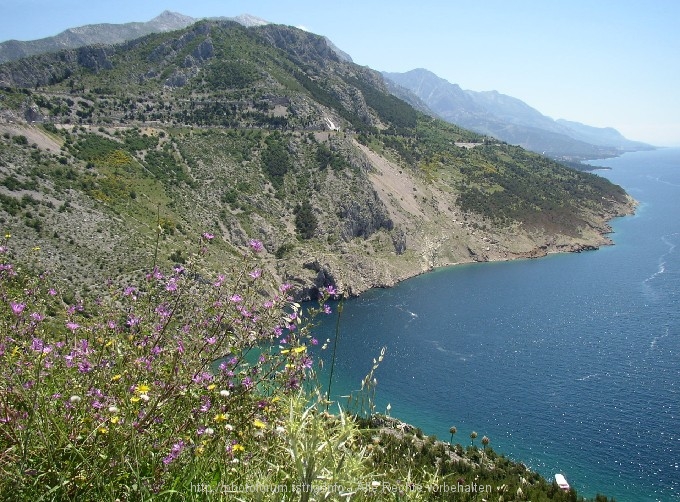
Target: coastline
[{"x": 353, "y": 275}]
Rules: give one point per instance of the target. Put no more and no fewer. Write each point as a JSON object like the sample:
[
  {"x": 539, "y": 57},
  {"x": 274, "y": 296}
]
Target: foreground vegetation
[{"x": 188, "y": 385}]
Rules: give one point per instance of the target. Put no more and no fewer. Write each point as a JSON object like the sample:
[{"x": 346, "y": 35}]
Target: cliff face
[{"x": 264, "y": 133}]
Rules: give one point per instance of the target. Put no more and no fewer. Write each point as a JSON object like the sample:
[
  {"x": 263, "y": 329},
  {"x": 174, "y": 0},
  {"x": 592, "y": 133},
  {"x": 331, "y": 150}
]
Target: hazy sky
[{"x": 601, "y": 62}]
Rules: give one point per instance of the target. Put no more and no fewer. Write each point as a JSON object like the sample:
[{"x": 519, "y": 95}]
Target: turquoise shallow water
[{"x": 569, "y": 363}]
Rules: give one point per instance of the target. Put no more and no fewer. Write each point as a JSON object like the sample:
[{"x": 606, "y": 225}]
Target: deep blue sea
[{"x": 569, "y": 363}]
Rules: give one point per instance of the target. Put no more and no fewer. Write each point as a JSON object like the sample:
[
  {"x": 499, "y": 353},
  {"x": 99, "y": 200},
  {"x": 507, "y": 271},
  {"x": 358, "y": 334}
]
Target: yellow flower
[
  {"x": 220, "y": 417},
  {"x": 134, "y": 399},
  {"x": 211, "y": 386},
  {"x": 114, "y": 420},
  {"x": 142, "y": 389},
  {"x": 103, "y": 430},
  {"x": 259, "y": 424},
  {"x": 299, "y": 349},
  {"x": 36, "y": 248},
  {"x": 237, "y": 447},
  {"x": 8, "y": 235},
  {"x": 115, "y": 378}
]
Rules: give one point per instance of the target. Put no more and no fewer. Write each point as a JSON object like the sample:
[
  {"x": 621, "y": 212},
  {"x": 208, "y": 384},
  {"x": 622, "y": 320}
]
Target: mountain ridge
[
  {"x": 266, "y": 133},
  {"x": 512, "y": 120}
]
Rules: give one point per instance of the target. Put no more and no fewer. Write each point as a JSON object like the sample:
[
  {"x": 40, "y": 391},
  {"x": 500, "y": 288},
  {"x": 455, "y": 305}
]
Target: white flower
[
  {"x": 75, "y": 399},
  {"x": 113, "y": 409},
  {"x": 224, "y": 393},
  {"x": 209, "y": 431},
  {"x": 144, "y": 397}
]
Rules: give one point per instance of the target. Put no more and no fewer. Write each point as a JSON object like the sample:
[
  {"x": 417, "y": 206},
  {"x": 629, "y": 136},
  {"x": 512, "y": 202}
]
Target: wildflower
[
  {"x": 326, "y": 309},
  {"x": 205, "y": 406},
  {"x": 209, "y": 431},
  {"x": 8, "y": 235},
  {"x": 37, "y": 316},
  {"x": 259, "y": 424},
  {"x": 171, "y": 285},
  {"x": 256, "y": 245},
  {"x": 175, "y": 452},
  {"x": 115, "y": 378},
  {"x": 220, "y": 417},
  {"x": 52, "y": 292},
  {"x": 114, "y": 420},
  {"x": 237, "y": 448},
  {"x": 144, "y": 397},
  {"x": 208, "y": 237},
  {"x": 224, "y": 393},
  {"x": 72, "y": 325},
  {"x": 75, "y": 399},
  {"x": 247, "y": 382},
  {"x": 103, "y": 430},
  {"x": 17, "y": 308},
  {"x": 113, "y": 409},
  {"x": 236, "y": 298},
  {"x": 255, "y": 274},
  {"x": 84, "y": 367},
  {"x": 142, "y": 389},
  {"x": 331, "y": 290}
]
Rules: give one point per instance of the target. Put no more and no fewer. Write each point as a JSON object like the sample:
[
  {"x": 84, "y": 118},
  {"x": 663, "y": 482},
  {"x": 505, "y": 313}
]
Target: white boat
[{"x": 562, "y": 482}]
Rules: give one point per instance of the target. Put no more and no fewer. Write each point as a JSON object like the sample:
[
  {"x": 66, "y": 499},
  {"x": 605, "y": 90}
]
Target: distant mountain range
[
  {"x": 491, "y": 113},
  {"x": 509, "y": 119},
  {"x": 108, "y": 34}
]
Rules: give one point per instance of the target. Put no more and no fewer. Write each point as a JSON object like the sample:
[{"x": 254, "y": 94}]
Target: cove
[{"x": 569, "y": 363}]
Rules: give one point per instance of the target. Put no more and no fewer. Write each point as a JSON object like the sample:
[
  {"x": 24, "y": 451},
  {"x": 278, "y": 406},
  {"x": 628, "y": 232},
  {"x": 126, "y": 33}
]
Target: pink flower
[
  {"x": 208, "y": 237},
  {"x": 72, "y": 325},
  {"x": 236, "y": 298},
  {"x": 255, "y": 274},
  {"x": 17, "y": 308},
  {"x": 37, "y": 317},
  {"x": 52, "y": 292},
  {"x": 256, "y": 245}
]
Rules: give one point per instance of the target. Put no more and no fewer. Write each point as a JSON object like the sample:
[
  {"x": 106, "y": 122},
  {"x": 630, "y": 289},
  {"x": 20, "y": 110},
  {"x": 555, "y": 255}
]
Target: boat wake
[
  {"x": 662, "y": 262},
  {"x": 588, "y": 377},
  {"x": 656, "y": 339},
  {"x": 663, "y": 182}
]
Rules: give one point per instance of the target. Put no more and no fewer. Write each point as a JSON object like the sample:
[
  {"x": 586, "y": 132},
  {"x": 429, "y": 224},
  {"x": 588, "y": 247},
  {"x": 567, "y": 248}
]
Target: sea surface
[{"x": 569, "y": 363}]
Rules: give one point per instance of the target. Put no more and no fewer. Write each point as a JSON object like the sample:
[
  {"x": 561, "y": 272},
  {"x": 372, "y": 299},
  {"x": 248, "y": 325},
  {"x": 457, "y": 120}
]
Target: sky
[{"x": 605, "y": 63}]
